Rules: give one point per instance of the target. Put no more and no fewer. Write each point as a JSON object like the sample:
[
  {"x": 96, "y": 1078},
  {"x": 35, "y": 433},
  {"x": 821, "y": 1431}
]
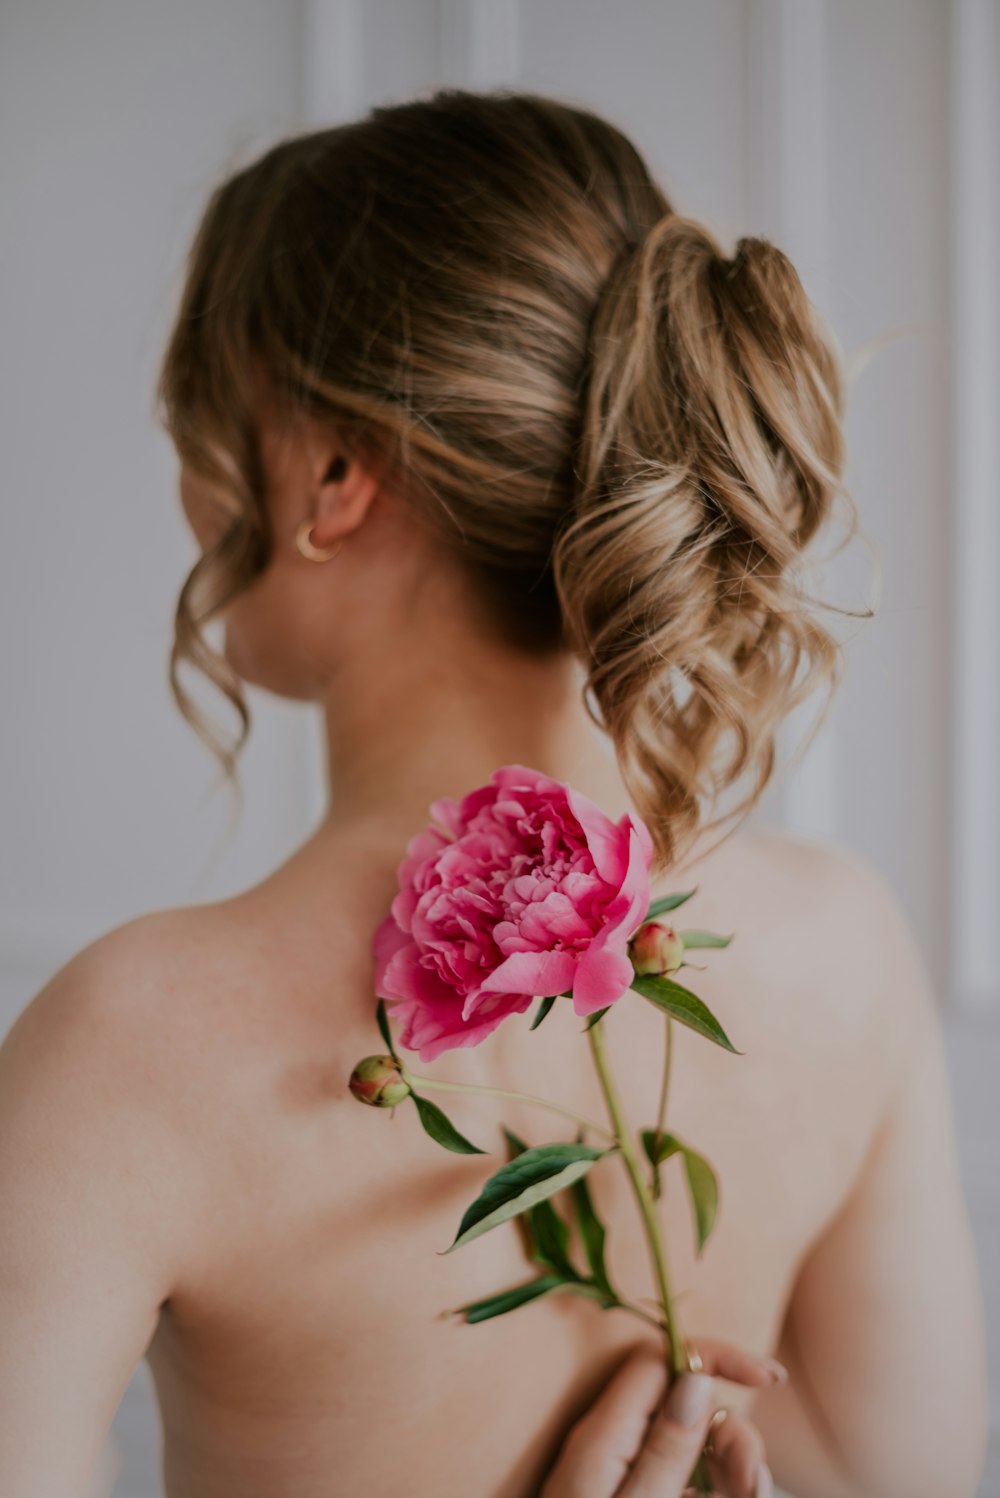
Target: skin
[
  {"x": 635, "y": 1443},
  {"x": 186, "y": 1177}
]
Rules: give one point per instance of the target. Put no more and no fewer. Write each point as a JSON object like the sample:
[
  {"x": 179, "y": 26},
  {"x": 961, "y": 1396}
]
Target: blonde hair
[{"x": 627, "y": 437}]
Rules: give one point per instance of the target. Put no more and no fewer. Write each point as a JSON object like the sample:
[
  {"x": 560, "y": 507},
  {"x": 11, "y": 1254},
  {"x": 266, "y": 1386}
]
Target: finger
[
  {"x": 737, "y": 1456},
  {"x": 674, "y": 1439},
  {"x": 599, "y": 1450},
  {"x": 726, "y": 1360}
]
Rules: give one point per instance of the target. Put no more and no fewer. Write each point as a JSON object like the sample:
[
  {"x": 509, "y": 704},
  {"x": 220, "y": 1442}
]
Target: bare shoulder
[
  {"x": 122, "y": 1006},
  {"x": 831, "y": 878},
  {"x": 129, "y": 1009},
  {"x": 102, "y": 1108},
  {"x": 829, "y": 890},
  {"x": 839, "y": 887},
  {"x": 184, "y": 994},
  {"x": 152, "y": 1015},
  {"x": 823, "y": 921}
]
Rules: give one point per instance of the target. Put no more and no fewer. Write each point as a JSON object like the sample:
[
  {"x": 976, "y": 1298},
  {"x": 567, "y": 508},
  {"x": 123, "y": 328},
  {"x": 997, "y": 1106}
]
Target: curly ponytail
[{"x": 711, "y": 451}]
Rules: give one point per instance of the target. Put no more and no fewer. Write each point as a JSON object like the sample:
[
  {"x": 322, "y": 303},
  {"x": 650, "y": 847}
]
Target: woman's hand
[{"x": 634, "y": 1444}]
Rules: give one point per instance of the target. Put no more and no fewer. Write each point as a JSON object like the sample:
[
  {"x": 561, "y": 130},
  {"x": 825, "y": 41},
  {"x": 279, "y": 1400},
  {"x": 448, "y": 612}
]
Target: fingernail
[
  {"x": 765, "y": 1482},
  {"x": 779, "y": 1370},
  {"x": 689, "y": 1398}
]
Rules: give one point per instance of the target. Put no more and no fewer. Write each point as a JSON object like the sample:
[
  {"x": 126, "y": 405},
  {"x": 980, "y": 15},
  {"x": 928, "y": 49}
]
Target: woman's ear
[{"x": 342, "y": 497}]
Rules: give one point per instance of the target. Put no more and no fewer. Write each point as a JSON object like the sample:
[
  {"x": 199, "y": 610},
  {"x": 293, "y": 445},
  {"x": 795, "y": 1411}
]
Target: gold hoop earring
[{"x": 303, "y": 540}]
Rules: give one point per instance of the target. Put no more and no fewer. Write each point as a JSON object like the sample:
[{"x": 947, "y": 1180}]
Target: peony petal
[
  {"x": 635, "y": 885},
  {"x": 607, "y": 841},
  {"x": 623, "y": 914},
  {"x": 480, "y": 1004},
  {"x": 406, "y": 978},
  {"x": 602, "y": 977},
  {"x": 555, "y": 919},
  {"x": 644, "y": 835},
  {"x": 474, "y": 802},
  {"x": 445, "y": 810},
  {"x": 523, "y": 778},
  {"x": 420, "y": 851},
  {"x": 433, "y": 1039},
  {"x": 403, "y": 905},
  {"x": 386, "y": 942},
  {"x": 538, "y": 974}
]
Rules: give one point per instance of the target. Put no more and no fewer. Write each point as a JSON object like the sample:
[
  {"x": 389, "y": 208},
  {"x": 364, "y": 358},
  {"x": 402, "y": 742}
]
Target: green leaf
[
  {"x": 543, "y": 1010},
  {"x": 606, "y": 1299},
  {"x": 508, "y": 1300},
  {"x": 683, "y": 1005},
  {"x": 442, "y": 1130},
  {"x": 525, "y": 1181},
  {"x": 522, "y": 1295},
  {"x": 516, "y": 1146},
  {"x": 592, "y": 1234},
  {"x": 647, "y": 1143},
  {"x": 660, "y": 1145},
  {"x": 595, "y": 1017},
  {"x": 547, "y": 1239},
  {"x": 382, "y": 1020},
  {"x": 552, "y": 1240},
  {"x": 695, "y": 939},
  {"x": 669, "y": 902},
  {"x": 703, "y": 1183},
  {"x": 704, "y": 1187}
]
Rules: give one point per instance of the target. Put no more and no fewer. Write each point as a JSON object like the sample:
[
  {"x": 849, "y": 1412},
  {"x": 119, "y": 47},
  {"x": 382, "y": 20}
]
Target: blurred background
[{"x": 863, "y": 136}]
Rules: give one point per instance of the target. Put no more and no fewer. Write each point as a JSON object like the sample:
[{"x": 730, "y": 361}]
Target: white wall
[
  {"x": 115, "y": 118},
  {"x": 858, "y": 133}
]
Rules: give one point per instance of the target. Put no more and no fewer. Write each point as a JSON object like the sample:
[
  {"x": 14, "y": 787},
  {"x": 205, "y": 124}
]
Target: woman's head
[{"x": 557, "y": 389}]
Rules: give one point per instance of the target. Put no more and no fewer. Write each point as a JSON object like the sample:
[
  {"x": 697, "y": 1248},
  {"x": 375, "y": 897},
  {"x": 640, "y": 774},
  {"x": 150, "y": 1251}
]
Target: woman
[{"x": 470, "y": 419}]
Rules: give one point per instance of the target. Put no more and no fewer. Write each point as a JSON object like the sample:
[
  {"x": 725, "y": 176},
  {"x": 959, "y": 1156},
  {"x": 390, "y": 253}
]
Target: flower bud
[
  {"x": 656, "y": 949},
  {"x": 379, "y": 1080}
]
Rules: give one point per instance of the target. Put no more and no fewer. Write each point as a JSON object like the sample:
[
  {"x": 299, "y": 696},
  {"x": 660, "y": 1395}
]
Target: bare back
[{"x": 308, "y": 1354}]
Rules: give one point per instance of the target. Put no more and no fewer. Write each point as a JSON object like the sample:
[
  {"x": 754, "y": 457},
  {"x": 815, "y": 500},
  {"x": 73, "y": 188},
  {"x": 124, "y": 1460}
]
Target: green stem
[
  {"x": 627, "y": 1305},
  {"x": 661, "y": 1112},
  {"x": 619, "y": 1304},
  {"x": 678, "y": 1359},
  {"x": 517, "y": 1097}
]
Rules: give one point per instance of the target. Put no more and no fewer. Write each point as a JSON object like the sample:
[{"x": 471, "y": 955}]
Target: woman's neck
[{"x": 437, "y": 718}]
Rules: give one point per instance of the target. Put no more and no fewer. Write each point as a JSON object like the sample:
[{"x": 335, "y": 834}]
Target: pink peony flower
[{"x": 529, "y": 891}]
